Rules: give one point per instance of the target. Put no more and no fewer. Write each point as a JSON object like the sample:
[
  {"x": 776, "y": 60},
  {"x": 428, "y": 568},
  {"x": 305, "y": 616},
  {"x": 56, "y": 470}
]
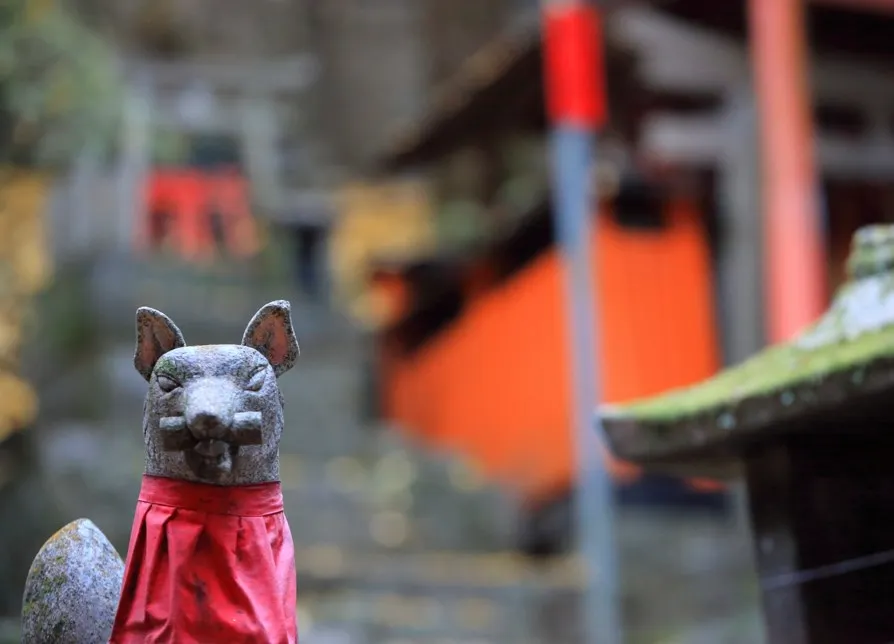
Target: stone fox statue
[{"x": 211, "y": 558}]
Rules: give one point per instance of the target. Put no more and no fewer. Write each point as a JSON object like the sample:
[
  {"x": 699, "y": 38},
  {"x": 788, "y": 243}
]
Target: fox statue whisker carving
[{"x": 210, "y": 557}]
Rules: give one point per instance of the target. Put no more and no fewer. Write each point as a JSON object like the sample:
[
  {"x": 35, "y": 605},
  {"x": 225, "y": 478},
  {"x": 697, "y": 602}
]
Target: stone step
[
  {"x": 410, "y": 615},
  {"x": 447, "y": 573},
  {"x": 216, "y": 302}
]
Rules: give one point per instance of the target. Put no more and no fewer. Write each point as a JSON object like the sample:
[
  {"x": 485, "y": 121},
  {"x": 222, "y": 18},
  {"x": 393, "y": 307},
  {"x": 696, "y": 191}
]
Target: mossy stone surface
[
  {"x": 72, "y": 591},
  {"x": 849, "y": 352}
]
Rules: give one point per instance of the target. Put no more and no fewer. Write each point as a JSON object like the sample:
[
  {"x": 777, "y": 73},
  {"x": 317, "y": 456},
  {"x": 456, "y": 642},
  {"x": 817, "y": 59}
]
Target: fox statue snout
[
  {"x": 209, "y": 408},
  {"x": 210, "y": 431},
  {"x": 211, "y": 415}
]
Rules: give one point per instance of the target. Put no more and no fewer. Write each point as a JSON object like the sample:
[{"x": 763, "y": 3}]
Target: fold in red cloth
[{"x": 208, "y": 565}]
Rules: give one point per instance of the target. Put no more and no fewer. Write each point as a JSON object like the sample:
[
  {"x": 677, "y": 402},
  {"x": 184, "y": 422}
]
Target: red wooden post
[{"x": 794, "y": 248}]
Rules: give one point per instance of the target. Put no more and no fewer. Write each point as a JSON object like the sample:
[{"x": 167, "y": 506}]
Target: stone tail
[{"x": 73, "y": 588}]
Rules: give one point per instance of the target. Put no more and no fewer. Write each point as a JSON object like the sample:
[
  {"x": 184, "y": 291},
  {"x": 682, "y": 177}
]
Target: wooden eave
[
  {"x": 839, "y": 28},
  {"x": 474, "y": 99}
]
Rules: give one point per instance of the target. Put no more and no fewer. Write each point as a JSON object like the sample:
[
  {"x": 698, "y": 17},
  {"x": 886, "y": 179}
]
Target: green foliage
[
  {"x": 275, "y": 259},
  {"x": 59, "y": 86},
  {"x": 462, "y": 223},
  {"x": 64, "y": 318}
]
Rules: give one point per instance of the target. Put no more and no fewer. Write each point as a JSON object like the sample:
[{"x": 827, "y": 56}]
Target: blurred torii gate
[{"x": 246, "y": 99}]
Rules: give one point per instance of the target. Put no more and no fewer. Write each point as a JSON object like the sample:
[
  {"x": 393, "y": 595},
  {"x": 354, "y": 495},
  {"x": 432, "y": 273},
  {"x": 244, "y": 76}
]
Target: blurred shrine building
[{"x": 472, "y": 353}]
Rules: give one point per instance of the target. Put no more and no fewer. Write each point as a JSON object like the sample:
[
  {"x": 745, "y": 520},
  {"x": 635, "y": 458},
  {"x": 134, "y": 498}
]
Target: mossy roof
[{"x": 845, "y": 356}]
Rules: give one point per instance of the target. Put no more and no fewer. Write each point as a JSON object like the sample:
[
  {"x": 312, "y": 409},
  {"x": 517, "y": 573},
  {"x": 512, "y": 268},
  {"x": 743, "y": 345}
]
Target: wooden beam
[
  {"x": 739, "y": 261},
  {"x": 880, "y": 6},
  {"x": 701, "y": 140},
  {"x": 290, "y": 74},
  {"x": 222, "y": 116},
  {"x": 677, "y": 56}
]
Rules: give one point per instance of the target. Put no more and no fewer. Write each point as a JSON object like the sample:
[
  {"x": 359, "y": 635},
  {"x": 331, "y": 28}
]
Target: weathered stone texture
[{"x": 72, "y": 590}]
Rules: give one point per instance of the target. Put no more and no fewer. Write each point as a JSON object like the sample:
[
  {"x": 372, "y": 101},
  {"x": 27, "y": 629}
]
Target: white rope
[{"x": 801, "y": 577}]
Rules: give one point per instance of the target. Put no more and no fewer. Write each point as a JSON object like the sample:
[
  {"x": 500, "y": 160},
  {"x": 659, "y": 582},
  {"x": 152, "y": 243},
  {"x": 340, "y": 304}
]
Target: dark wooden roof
[
  {"x": 437, "y": 290},
  {"x": 501, "y": 85},
  {"x": 495, "y": 79},
  {"x": 500, "y": 88},
  {"x": 831, "y": 378},
  {"x": 839, "y": 28}
]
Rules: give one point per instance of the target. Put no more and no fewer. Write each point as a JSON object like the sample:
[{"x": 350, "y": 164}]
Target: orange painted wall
[{"x": 495, "y": 385}]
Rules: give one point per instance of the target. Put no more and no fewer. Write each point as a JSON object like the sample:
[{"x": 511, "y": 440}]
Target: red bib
[{"x": 208, "y": 565}]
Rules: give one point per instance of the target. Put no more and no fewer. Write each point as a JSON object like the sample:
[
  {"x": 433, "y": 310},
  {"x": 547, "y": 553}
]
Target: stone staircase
[{"x": 214, "y": 301}]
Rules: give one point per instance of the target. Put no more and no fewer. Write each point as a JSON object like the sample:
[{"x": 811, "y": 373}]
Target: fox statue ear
[
  {"x": 156, "y": 335},
  {"x": 270, "y": 332}
]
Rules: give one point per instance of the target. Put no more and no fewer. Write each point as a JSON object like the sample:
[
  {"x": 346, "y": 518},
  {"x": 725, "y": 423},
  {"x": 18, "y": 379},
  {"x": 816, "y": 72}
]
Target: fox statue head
[{"x": 214, "y": 413}]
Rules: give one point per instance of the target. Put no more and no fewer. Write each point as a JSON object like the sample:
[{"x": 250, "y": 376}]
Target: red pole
[{"x": 794, "y": 246}]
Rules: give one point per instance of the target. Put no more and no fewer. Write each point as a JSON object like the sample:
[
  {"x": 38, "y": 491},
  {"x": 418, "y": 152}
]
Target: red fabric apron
[{"x": 208, "y": 565}]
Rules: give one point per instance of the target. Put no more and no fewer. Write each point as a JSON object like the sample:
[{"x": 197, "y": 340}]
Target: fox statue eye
[
  {"x": 166, "y": 383},
  {"x": 257, "y": 379}
]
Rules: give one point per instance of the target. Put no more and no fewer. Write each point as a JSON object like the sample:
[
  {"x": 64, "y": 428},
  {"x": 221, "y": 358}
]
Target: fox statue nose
[{"x": 206, "y": 424}]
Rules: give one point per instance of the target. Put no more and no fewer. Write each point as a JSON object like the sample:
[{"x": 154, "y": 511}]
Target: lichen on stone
[
  {"x": 857, "y": 330},
  {"x": 72, "y": 588}
]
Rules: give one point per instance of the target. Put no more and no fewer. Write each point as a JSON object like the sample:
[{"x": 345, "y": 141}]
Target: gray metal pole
[{"x": 574, "y": 199}]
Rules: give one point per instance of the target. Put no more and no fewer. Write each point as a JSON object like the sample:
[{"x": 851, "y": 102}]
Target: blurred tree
[
  {"x": 58, "y": 96},
  {"x": 59, "y": 87}
]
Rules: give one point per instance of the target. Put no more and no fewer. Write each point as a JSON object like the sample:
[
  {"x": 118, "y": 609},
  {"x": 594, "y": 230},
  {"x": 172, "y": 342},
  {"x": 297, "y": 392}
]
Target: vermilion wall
[{"x": 495, "y": 385}]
